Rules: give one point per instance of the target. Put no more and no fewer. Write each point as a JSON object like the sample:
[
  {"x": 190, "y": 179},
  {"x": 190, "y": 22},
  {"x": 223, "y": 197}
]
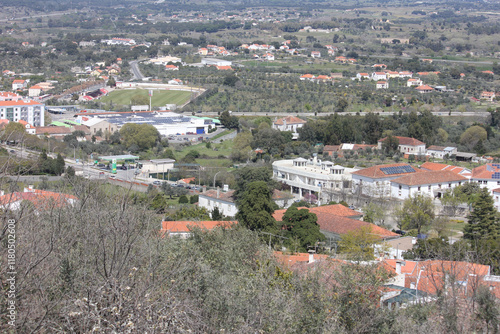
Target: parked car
[
  {"x": 101, "y": 165},
  {"x": 157, "y": 183},
  {"x": 12, "y": 151}
]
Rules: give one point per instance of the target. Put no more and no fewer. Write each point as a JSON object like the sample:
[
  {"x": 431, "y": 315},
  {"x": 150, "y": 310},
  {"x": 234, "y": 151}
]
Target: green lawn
[{"x": 160, "y": 97}]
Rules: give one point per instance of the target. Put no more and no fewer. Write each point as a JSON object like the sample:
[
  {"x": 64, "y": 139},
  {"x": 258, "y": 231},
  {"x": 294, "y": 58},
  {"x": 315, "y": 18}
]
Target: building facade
[{"x": 23, "y": 109}]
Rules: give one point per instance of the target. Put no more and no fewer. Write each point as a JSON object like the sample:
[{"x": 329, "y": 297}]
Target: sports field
[{"x": 160, "y": 97}]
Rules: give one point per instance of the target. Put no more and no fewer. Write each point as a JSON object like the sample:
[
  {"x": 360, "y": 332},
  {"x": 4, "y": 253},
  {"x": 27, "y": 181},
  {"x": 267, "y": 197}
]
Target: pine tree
[
  {"x": 255, "y": 208},
  {"x": 484, "y": 222}
]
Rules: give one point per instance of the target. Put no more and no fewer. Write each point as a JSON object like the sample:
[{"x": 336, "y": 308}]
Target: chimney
[
  {"x": 398, "y": 267},
  {"x": 311, "y": 256}
]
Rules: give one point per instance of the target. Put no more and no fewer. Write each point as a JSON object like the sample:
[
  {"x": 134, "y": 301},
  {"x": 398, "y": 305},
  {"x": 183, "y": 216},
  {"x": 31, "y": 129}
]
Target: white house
[
  {"x": 382, "y": 85},
  {"x": 289, "y": 123},
  {"x": 496, "y": 198},
  {"x": 375, "y": 181},
  {"x": 361, "y": 76},
  {"x": 19, "y": 84},
  {"x": 315, "y": 54},
  {"x": 224, "y": 201},
  {"x": 440, "y": 151},
  {"x": 414, "y": 82},
  {"x": 376, "y": 76},
  {"x": 155, "y": 167},
  {"x": 407, "y": 145},
  {"x": 433, "y": 184}
]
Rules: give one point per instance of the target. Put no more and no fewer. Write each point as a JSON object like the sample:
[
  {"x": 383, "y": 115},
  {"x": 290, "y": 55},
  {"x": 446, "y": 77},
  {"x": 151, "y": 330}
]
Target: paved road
[
  {"x": 388, "y": 113},
  {"x": 134, "y": 68},
  {"x": 478, "y": 62}
]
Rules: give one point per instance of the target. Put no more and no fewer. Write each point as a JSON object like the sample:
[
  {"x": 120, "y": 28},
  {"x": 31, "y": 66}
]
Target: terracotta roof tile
[
  {"x": 431, "y": 177},
  {"x": 405, "y": 141},
  {"x": 289, "y": 120},
  {"x": 186, "y": 226},
  {"x": 375, "y": 172}
]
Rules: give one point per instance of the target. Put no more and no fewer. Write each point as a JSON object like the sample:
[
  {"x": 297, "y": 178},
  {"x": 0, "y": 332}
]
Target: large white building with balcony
[
  {"x": 16, "y": 108},
  {"x": 313, "y": 177}
]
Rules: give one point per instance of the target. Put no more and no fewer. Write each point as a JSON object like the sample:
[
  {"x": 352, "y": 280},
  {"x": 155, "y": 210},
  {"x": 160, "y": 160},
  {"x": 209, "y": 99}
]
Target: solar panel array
[
  {"x": 496, "y": 175},
  {"x": 397, "y": 170}
]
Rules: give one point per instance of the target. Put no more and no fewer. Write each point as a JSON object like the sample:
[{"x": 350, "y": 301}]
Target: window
[
  {"x": 400, "y": 188},
  {"x": 430, "y": 188},
  {"x": 449, "y": 185},
  {"x": 418, "y": 188}
]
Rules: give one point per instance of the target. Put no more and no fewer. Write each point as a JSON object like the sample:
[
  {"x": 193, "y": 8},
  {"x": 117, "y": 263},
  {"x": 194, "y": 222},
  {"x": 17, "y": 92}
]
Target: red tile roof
[
  {"x": 424, "y": 88},
  {"x": 407, "y": 141},
  {"x": 434, "y": 166},
  {"x": 40, "y": 198},
  {"x": 334, "y": 209},
  {"x": 291, "y": 259},
  {"x": 431, "y": 177},
  {"x": 289, "y": 120},
  {"x": 485, "y": 171},
  {"x": 186, "y": 226},
  {"x": 19, "y": 103},
  {"x": 374, "y": 172}
]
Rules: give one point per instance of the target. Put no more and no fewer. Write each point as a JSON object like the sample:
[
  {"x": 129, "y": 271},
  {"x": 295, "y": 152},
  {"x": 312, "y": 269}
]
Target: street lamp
[{"x": 216, "y": 176}]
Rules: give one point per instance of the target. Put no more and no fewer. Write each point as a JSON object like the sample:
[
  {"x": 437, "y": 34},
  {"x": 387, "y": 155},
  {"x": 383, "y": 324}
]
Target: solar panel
[
  {"x": 496, "y": 175},
  {"x": 397, "y": 170}
]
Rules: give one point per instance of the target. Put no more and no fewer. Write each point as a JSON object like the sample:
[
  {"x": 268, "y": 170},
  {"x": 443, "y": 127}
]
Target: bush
[
  {"x": 193, "y": 199},
  {"x": 183, "y": 199}
]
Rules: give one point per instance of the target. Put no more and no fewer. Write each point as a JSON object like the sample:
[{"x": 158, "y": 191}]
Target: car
[
  {"x": 112, "y": 176},
  {"x": 101, "y": 165},
  {"x": 199, "y": 111},
  {"x": 12, "y": 151},
  {"x": 157, "y": 183},
  {"x": 400, "y": 232}
]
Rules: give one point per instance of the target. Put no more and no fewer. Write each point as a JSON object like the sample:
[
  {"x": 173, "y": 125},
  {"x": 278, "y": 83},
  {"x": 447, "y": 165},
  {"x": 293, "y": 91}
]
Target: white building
[
  {"x": 216, "y": 62},
  {"x": 313, "y": 176},
  {"x": 488, "y": 176},
  {"x": 382, "y": 85},
  {"x": 376, "y": 76},
  {"x": 375, "y": 181},
  {"x": 289, "y": 123},
  {"x": 440, "y": 151},
  {"x": 496, "y": 198},
  {"x": 433, "y": 184},
  {"x": 27, "y": 110},
  {"x": 156, "y": 167},
  {"x": 19, "y": 84},
  {"x": 407, "y": 145}
]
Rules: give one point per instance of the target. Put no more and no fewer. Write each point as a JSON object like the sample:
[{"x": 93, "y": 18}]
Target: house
[
  {"x": 331, "y": 149},
  {"x": 375, "y": 181},
  {"x": 405, "y": 74},
  {"x": 434, "y": 166},
  {"x": 224, "y": 201},
  {"x": 313, "y": 177},
  {"x": 41, "y": 199},
  {"x": 414, "y": 82},
  {"x": 224, "y": 68},
  {"x": 487, "y": 176},
  {"x": 171, "y": 68},
  {"x": 441, "y": 152},
  {"x": 488, "y": 72},
  {"x": 496, "y": 198},
  {"x": 382, "y": 85},
  {"x": 203, "y": 51},
  {"x": 361, "y": 76},
  {"x": 398, "y": 246},
  {"x": 315, "y": 54},
  {"x": 392, "y": 74},
  {"x": 175, "y": 82},
  {"x": 322, "y": 78},
  {"x": 182, "y": 229},
  {"x": 488, "y": 96},
  {"x": 268, "y": 56},
  {"x": 99, "y": 125},
  {"x": 19, "y": 84},
  {"x": 309, "y": 77},
  {"x": 29, "y": 128},
  {"x": 432, "y": 183},
  {"x": 406, "y": 145},
  {"x": 376, "y": 76},
  {"x": 289, "y": 123},
  {"x": 35, "y": 91},
  {"x": 380, "y": 66},
  {"x": 337, "y": 220}
]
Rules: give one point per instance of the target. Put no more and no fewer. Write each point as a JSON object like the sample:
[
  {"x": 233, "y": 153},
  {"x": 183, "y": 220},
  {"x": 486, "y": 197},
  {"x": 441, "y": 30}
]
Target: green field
[{"x": 160, "y": 97}]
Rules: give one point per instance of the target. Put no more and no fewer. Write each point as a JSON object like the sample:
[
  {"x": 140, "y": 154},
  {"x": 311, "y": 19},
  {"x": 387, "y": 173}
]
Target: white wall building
[
  {"x": 407, "y": 145},
  {"x": 433, "y": 184},
  {"x": 313, "y": 176},
  {"x": 23, "y": 109},
  {"x": 375, "y": 181},
  {"x": 440, "y": 151},
  {"x": 216, "y": 62},
  {"x": 289, "y": 123},
  {"x": 488, "y": 176},
  {"x": 223, "y": 200}
]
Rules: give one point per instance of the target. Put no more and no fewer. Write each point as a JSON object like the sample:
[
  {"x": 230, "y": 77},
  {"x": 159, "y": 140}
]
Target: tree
[
  {"x": 390, "y": 144},
  {"x": 472, "y": 136},
  {"x": 70, "y": 172},
  {"x": 139, "y": 99},
  {"x": 183, "y": 199},
  {"x": 373, "y": 213},
  {"x": 342, "y": 105},
  {"x": 59, "y": 165},
  {"x": 484, "y": 222},
  {"x": 302, "y": 225},
  {"x": 255, "y": 208},
  {"x": 190, "y": 212},
  {"x": 228, "y": 121},
  {"x": 216, "y": 214},
  {"x": 358, "y": 245},
  {"x": 145, "y": 136},
  {"x": 247, "y": 175},
  {"x": 417, "y": 212},
  {"x": 13, "y": 132}
]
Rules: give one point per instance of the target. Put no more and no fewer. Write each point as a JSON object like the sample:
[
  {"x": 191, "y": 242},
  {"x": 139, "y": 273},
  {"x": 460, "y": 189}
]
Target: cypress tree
[{"x": 484, "y": 221}]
